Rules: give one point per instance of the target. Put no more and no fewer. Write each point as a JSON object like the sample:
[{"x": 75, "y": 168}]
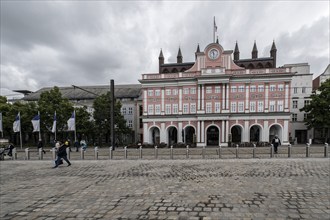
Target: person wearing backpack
[{"x": 276, "y": 142}]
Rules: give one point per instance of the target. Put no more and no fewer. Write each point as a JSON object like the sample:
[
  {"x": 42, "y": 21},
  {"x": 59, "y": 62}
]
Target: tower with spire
[
  {"x": 179, "y": 56},
  {"x": 236, "y": 52},
  {"x": 255, "y": 51},
  {"x": 273, "y": 52},
  {"x": 160, "y": 59}
]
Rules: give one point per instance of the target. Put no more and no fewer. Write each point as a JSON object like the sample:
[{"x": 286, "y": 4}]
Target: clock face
[{"x": 213, "y": 54}]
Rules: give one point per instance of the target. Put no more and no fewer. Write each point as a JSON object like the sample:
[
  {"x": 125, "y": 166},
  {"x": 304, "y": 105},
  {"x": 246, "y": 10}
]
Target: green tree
[
  {"x": 318, "y": 110},
  {"x": 102, "y": 118}
]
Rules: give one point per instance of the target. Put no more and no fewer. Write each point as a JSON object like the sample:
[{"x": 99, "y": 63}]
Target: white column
[
  {"x": 247, "y": 95},
  {"x": 180, "y": 132},
  {"x": 227, "y": 130},
  {"x": 223, "y": 97},
  {"x": 198, "y": 132},
  {"x": 163, "y": 133},
  {"x": 199, "y": 97},
  {"x": 227, "y": 97},
  {"x": 145, "y": 98},
  {"x": 202, "y": 133},
  {"x": 180, "y": 100},
  {"x": 222, "y": 131},
  {"x": 286, "y": 101},
  {"x": 163, "y": 100},
  {"x": 203, "y": 99},
  {"x": 246, "y": 134},
  {"x": 266, "y": 132},
  {"x": 146, "y": 133},
  {"x": 266, "y": 97},
  {"x": 285, "y": 132}
]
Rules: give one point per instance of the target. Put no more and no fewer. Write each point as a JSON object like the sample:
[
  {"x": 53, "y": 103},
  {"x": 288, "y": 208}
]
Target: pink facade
[{"x": 216, "y": 102}]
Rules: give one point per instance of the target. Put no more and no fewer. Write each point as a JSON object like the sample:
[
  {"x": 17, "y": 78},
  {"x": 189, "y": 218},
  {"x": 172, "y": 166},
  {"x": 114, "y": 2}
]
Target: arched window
[
  {"x": 250, "y": 66},
  {"x": 260, "y": 66},
  {"x": 165, "y": 71}
]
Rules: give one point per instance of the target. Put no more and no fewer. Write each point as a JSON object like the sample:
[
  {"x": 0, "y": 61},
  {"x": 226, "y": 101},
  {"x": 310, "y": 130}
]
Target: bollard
[
  {"x": 326, "y": 150},
  {"x": 289, "y": 150},
  {"x": 307, "y": 149},
  {"x": 40, "y": 154},
  {"x": 110, "y": 153},
  {"x": 271, "y": 151},
  {"x": 187, "y": 152},
  {"x": 171, "y": 152},
  {"x": 125, "y": 152},
  {"x": 156, "y": 152},
  {"x": 68, "y": 152},
  {"x": 237, "y": 151},
  {"x": 140, "y": 152},
  {"x": 14, "y": 156},
  {"x": 96, "y": 153},
  {"x": 53, "y": 150},
  {"x": 82, "y": 154},
  {"x": 220, "y": 151},
  {"x": 27, "y": 154},
  {"x": 254, "y": 150},
  {"x": 203, "y": 152}
]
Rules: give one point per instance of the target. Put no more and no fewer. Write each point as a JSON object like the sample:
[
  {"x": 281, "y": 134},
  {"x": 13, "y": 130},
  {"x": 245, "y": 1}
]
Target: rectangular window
[
  {"x": 233, "y": 89},
  {"x": 150, "y": 92},
  {"x": 260, "y": 106},
  {"x": 240, "y": 106},
  {"x": 217, "y": 89},
  {"x": 294, "y": 117},
  {"x": 209, "y": 89},
  {"x": 174, "y": 91},
  {"x": 168, "y": 92},
  {"x": 305, "y": 116},
  {"x": 185, "y": 108},
  {"x": 130, "y": 111},
  {"x": 295, "y": 90},
  {"x": 208, "y": 107},
  {"x": 280, "y": 87},
  {"x": 157, "y": 92},
  {"x": 307, "y": 102},
  {"x": 217, "y": 107},
  {"x": 193, "y": 108},
  {"x": 253, "y": 89},
  {"x": 192, "y": 90},
  {"x": 168, "y": 109},
  {"x": 175, "y": 108},
  {"x": 130, "y": 123},
  {"x": 157, "y": 109},
  {"x": 303, "y": 89},
  {"x": 294, "y": 104},
  {"x": 186, "y": 91},
  {"x": 123, "y": 111},
  {"x": 241, "y": 89},
  {"x": 272, "y": 88},
  {"x": 233, "y": 106},
  {"x": 252, "y": 106},
  {"x": 280, "y": 106},
  {"x": 272, "y": 106},
  {"x": 150, "y": 109},
  {"x": 260, "y": 88}
]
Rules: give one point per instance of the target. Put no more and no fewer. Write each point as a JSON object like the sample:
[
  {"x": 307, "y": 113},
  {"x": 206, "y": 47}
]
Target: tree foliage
[{"x": 318, "y": 110}]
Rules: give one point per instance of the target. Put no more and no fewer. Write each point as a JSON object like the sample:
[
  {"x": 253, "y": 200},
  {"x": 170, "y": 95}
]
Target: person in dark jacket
[
  {"x": 41, "y": 145},
  {"x": 61, "y": 154},
  {"x": 276, "y": 142}
]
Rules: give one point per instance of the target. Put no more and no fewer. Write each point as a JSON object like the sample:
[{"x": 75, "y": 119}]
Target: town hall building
[{"x": 219, "y": 99}]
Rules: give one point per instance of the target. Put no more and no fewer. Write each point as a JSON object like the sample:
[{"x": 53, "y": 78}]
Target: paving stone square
[{"x": 277, "y": 188}]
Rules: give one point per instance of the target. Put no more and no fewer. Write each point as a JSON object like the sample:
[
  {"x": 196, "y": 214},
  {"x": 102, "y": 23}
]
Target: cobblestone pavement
[{"x": 277, "y": 188}]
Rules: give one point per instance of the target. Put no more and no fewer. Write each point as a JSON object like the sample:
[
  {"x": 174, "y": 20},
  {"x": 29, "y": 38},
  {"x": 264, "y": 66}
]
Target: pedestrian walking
[
  {"x": 276, "y": 142},
  {"x": 41, "y": 145},
  {"x": 76, "y": 145},
  {"x": 61, "y": 154}
]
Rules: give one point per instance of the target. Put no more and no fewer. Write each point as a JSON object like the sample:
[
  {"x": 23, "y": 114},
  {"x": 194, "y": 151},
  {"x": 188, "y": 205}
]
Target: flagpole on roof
[{"x": 20, "y": 130}]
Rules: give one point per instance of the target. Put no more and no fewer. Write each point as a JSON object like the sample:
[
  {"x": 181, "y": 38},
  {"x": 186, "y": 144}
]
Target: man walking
[
  {"x": 61, "y": 154},
  {"x": 276, "y": 142}
]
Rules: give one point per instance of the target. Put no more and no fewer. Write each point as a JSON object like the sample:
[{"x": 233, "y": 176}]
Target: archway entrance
[
  {"x": 236, "y": 134},
  {"x": 189, "y": 135},
  {"x": 212, "y": 135},
  {"x": 255, "y": 131},
  {"x": 275, "y": 130},
  {"x": 172, "y": 136},
  {"x": 154, "y": 136}
]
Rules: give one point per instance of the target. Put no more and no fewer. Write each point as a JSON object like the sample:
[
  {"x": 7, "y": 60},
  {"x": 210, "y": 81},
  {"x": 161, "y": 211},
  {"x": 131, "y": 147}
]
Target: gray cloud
[{"x": 86, "y": 43}]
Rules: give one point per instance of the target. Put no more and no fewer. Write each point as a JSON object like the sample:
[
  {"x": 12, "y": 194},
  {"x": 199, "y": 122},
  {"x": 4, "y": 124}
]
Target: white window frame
[
  {"x": 157, "y": 109},
  {"x": 303, "y": 90},
  {"x": 253, "y": 106},
  {"x": 130, "y": 110},
  {"x": 168, "y": 91},
  {"x": 150, "y": 109},
  {"x": 186, "y": 108},
  {"x": 233, "y": 107},
  {"x": 217, "y": 107},
  {"x": 193, "y": 90},
  {"x": 209, "y": 89},
  {"x": 280, "y": 87},
  {"x": 294, "y": 104},
  {"x": 253, "y": 89},
  {"x": 294, "y": 117},
  {"x": 217, "y": 89},
  {"x": 241, "y": 88},
  {"x": 157, "y": 92},
  {"x": 168, "y": 109},
  {"x": 175, "y": 91},
  {"x": 261, "y": 88},
  {"x": 241, "y": 106},
  {"x": 192, "y": 108},
  {"x": 175, "y": 109},
  {"x": 208, "y": 107},
  {"x": 295, "y": 90},
  {"x": 280, "y": 105},
  {"x": 233, "y": 88},
  {"x": 123, "y": 111},
  {"x": 260, "y": 106},
  {"x": 185, "y": 91},
  {"x": 150, "y": 92},
  {"x": 272, "y": 88},
  {"x": 272, "y": 105}
]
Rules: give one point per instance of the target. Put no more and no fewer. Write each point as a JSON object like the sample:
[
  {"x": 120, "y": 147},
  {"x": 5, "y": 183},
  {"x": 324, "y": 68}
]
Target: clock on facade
[{"x": 213, "y": 54}]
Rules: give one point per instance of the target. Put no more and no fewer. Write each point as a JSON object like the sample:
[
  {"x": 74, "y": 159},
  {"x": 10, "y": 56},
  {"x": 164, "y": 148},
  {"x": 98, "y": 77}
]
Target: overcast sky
[{"x": 63, "y": 43}]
